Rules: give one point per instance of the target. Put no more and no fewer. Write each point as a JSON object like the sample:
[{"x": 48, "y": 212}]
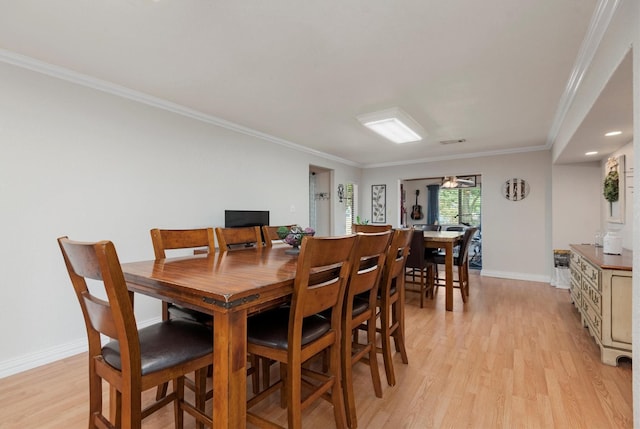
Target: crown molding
[
  {"x": 459, "y": 156},
  {"x": 597, "y": 27},
  {"x": 140, "y": 97}
]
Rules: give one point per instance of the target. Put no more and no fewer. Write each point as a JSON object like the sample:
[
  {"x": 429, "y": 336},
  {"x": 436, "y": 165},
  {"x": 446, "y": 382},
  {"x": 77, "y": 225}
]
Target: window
[
  {"x": 350, "y": 194},
  {"x": 460, "y": 206}
]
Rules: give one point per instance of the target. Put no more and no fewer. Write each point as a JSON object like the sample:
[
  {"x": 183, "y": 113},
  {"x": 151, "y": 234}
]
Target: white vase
[{"x": 612, "y": 243}]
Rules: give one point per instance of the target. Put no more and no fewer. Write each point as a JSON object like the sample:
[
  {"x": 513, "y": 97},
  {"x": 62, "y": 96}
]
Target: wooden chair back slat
[
  {"x": 368, "y": 261},
  {"x": 368, "y": 229},
  {"x": 100, "y": 315},
  {"x": 230, "y": 237},
  {"x": 168, "y": 239},
  {"x": 321, "y": 275},
  {"x": 270, "y": 234}
]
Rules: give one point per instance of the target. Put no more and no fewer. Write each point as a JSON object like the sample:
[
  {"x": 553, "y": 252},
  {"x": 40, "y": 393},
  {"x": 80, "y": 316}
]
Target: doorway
[
  {"x": 320, "y": 200},
  {"x": 450, "y": 201}
]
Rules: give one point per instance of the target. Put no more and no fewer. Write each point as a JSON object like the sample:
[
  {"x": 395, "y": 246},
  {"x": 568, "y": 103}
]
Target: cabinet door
[{"x": 621, "y": 308}]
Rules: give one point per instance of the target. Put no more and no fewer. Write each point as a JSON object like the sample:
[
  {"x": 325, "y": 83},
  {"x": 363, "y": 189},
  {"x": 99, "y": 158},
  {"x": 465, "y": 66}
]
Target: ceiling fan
[{"x": 455, "y": 182}]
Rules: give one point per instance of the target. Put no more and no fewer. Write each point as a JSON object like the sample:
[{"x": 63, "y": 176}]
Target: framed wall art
[{"x": 378, "y": 203}]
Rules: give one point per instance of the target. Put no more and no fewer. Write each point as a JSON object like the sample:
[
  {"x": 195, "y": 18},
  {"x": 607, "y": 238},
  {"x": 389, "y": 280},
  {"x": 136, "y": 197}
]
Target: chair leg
[
  {"x": 255, "y": 373},
  {"x": 337, "y": 398},
  {"x": 423, "y": 288},
  {"x": 284, "y": 375},
  {"x": 130, "y": 409},
  {"x": 294, "y": 394},
  {"x": 397, "y": 317},
  {"x": 461, "y": 283},
  {"x": 178, "y": 387},
  {"x": 117, "y": 408},
  {"x": 200, "y": 393},
  {"x": 466, "y": 276},
  {"x": 347, "y": 363},
  {"x": 373, "y": 355},
  {"x": 95, "y": 398},
  {"x": 266, "y": 371},
  {"x": 386, "y": 345},
  {"x": 162, "y": 391}
]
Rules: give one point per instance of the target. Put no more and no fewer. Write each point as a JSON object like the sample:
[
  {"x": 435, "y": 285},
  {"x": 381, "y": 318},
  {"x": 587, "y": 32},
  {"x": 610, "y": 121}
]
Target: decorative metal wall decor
[
  {"x": 515, "y": 189},
  {"x": 378, "y": 203}
]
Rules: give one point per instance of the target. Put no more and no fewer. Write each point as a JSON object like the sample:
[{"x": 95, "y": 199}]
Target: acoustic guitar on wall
[{"x": 416, "y": 212}]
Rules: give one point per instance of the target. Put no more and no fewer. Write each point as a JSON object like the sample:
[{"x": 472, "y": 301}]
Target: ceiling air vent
[{"x": 453, "y": 141}]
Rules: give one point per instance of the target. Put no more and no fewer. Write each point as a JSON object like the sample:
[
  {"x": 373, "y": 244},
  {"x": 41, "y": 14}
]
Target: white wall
[
  {"x": 83, "y": 163},
  {"x": 516, "y": 236},
  {"x": 576, "y": 185}
]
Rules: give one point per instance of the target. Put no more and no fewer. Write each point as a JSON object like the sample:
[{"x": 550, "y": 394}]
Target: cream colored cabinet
[{"x": 601, "y": 289}]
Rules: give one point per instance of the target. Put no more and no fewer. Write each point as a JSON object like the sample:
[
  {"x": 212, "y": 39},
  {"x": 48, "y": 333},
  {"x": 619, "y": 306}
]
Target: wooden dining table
[
  {"x": 230, "y": 286},
  {"x": 445, "y": 240}
]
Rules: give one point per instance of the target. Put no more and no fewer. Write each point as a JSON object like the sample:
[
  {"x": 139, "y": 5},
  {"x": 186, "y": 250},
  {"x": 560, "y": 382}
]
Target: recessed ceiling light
[
  {"x": 591, "y": 153},
  {"x": 393, "y": 124},
  {"x": 613, "y": 133}
]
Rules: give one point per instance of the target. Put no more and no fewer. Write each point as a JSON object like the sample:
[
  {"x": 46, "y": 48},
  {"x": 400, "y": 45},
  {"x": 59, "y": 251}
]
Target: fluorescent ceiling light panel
[
  {"x": 393, "y": 124},
  {"x": 613, "y": 133},
  {"x": 591, "y": 153}
]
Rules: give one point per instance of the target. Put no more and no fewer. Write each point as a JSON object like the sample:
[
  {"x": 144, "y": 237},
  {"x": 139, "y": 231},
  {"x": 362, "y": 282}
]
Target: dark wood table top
[{"x": 218, "y": 281}]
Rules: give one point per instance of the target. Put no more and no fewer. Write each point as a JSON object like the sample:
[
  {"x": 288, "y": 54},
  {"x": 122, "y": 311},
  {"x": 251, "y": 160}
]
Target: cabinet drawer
[
  {"x": 575, "y": 275},
  {"x": 576, "y": 297},
  {"x": 592, "y": 318},
  {"x": 591, "y": 274},
  {"x": 574, "y": 285},
  {"x": 595, "y": 300},
  {"x": 574, "y": 259}
]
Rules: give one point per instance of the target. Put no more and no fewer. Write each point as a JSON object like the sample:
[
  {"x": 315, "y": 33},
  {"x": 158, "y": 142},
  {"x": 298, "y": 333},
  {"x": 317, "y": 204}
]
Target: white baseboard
[
  {"x": 51, "y": 354},
  {"x": 42, "y": 357},
  {"x": 516, "y": 276}
]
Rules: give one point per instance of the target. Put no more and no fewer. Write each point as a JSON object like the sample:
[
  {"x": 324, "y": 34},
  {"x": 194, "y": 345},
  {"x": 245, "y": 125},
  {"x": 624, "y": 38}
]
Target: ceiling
[{"x": 491, "y": 72}]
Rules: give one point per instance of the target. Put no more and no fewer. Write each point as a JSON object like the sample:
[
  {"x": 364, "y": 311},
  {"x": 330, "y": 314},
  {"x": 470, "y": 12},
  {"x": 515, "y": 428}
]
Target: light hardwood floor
[{"x": 515, "y": 356}]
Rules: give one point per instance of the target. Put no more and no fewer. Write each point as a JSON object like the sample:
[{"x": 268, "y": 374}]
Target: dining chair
[
  {"x": 239, "y": 238},
  {"x": 134, "y": 360},
  {"x": 431, "y": 227},
  {"x": 359, "y": 308},
  {"x": 201, "y": 240},
  {"x": 371, "y": 228},
  {"x": 461, "y": 262},
  {"x": 293, "y": 334},
  {"x": 270, "y": 234},
  {"x": 172, "y": 239},
  {"x": 390, "y": 301},
  {"x": 418, "y": 264},
  {"x": 455, "y": 228}
]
